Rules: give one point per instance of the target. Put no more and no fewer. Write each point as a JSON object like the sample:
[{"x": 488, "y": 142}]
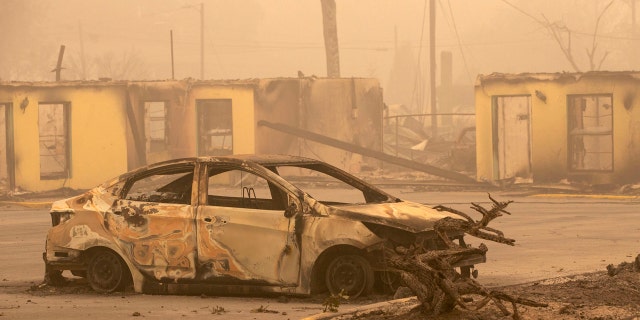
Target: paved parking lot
[{"x": 555, "y": 236}]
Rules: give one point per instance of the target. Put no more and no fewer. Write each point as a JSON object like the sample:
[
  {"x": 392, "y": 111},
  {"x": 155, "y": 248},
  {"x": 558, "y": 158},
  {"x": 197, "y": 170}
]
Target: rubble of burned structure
[
  {"x": 450, "y": 145},
  {"x": 624, "y": 266},
  {"x": 431, "y": 276}
]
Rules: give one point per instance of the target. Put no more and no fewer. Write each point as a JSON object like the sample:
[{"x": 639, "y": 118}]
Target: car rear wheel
[
  {"x": 350, "y": 274},
  {"x": 106, "y": 272}
]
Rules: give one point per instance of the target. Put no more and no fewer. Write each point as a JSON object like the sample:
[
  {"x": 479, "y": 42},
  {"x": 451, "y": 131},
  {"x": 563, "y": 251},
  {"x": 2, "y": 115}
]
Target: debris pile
[{"x": 625, "y": 266}]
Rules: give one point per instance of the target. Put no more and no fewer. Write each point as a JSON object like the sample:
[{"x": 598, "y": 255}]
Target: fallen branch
[
  {"x": 478, "y": 229},
  {"x": 430, "y": 273}
]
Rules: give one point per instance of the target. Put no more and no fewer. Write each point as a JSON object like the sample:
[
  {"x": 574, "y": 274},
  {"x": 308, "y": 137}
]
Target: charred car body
[{"x": 235, "y": 224}]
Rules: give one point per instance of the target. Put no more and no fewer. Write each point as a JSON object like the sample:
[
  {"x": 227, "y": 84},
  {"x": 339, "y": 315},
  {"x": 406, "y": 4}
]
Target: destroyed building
[
  {"x": 75, "y": 134},
  {"x": 552, "y": 127}
]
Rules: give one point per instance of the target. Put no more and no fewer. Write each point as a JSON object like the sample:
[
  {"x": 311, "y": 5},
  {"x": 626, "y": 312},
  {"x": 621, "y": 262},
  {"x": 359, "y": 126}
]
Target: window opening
[
  {"x": 156, "y": 126},
  {"x": 215, "y": 127},
  {"x": 324, "y": 187},
  {"x": 169, "y": 186},
  {"x": 54, "y": 140},
  {"x": 590, "y": 128},
  {"x": 241, "y": 189}
]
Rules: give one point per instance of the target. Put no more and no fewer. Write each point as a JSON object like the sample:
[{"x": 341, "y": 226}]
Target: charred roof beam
[{"x": 452, "y": 175}]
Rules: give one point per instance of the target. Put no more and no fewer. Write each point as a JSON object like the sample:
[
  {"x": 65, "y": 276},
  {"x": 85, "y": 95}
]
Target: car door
[
  {"x": 154, "y": 222},
  {"x": 243, "y": 234}
]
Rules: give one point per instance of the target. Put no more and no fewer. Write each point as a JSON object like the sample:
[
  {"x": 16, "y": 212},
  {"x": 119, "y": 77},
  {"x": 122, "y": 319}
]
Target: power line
[
  {"x": 460, "y": 47},
  {"x": 524, "y": 12},
  {"x": 418, "y": 72},
  {"x": 589, "y": 34},
  {"x": 215, "y": 53}
]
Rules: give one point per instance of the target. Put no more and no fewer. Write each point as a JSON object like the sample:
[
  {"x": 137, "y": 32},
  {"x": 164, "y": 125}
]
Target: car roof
[
  {"x": 261, "y": 159},
  {"x": 265, "y": 160}
]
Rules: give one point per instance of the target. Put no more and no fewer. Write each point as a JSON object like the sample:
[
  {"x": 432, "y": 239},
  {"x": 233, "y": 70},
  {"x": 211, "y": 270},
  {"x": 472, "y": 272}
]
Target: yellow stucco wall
[
  {"x": 98, "y": 127},
  {"x": 549, "y": 122},
  {"x": 484, "y": 145},
  {"x": 102, "y": 141},
  {"x": 97, "y": 135}
]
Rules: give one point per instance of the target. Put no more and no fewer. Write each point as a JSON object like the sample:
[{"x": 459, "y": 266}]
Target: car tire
[
  {"x": 106, "y": 272},
  {"x": 350, "y": 274}
]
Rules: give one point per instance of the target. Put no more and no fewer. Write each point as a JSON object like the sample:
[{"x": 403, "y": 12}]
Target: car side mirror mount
[{"x": 292, "y": 207}]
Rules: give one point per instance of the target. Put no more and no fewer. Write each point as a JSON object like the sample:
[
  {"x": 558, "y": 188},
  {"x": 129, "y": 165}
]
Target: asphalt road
[{"x": 555, "y": 237}]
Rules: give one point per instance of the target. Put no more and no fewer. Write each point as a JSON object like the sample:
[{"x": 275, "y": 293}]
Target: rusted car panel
[
  {"x": 181, "y": 226},
  {"x": 159, "y": 239}
]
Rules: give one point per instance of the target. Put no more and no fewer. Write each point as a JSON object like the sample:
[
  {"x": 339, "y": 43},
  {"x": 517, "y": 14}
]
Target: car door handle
[{"x": 207, "y": 219}]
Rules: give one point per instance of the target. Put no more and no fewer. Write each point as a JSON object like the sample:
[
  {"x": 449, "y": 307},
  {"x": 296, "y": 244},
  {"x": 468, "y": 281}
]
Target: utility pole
[
  {"x": 201, "y": 41},
  {"x": 446, "y": 85},
  {"x": 59, "y": 68},
  {"x": 633, "y": 16},
  {"x": 82, "y": 56},
  {"x": 172, "y": 68},
  {"x": 330, "y": 30},
  {"x": 432, "y": 67}
]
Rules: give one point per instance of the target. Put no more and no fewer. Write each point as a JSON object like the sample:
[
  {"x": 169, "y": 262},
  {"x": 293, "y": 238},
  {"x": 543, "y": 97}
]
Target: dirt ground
[{"x": 591, "y": 296}]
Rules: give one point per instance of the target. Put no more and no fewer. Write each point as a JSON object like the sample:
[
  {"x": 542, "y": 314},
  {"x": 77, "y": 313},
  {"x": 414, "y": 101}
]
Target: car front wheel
[
  {"x": 350, "y": 274},
  {"x": 106, "y": 272}
]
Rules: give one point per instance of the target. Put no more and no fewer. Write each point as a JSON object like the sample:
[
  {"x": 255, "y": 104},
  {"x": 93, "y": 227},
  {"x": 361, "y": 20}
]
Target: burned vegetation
[{"x": 431, "y": 276}]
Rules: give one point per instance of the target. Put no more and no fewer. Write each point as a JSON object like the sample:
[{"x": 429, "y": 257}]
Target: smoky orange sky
[{"x": 276, "y": 38}]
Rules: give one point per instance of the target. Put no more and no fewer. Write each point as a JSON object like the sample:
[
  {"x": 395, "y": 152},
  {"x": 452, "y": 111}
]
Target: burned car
[{"x": 236, "y": 224}]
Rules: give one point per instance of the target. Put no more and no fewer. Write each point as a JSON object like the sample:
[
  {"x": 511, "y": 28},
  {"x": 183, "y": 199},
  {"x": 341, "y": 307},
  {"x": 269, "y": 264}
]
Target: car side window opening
[
  {"x": 166, "y": 186},
  {"x": 326, "y": 188},
  {"x": 242, "y": 189}
]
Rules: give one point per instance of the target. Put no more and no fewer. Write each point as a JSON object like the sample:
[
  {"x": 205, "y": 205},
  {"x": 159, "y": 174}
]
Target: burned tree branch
[
  {"x": 474, "y": 228},
  {"x": 594, "y": 45},
  {"x": 431, "y": 275}
]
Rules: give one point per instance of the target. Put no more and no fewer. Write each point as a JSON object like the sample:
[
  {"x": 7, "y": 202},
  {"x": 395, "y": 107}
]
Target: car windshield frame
[{"x": 370, "y": 193}]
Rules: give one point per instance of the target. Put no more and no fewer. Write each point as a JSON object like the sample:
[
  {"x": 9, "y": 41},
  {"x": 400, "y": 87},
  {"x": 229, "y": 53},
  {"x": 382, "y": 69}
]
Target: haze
[{"x": 129, "y": 39}]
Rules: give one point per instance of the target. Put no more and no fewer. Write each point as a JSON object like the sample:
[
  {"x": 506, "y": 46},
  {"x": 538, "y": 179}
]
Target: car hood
[{"x": 409, "y": 216}]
